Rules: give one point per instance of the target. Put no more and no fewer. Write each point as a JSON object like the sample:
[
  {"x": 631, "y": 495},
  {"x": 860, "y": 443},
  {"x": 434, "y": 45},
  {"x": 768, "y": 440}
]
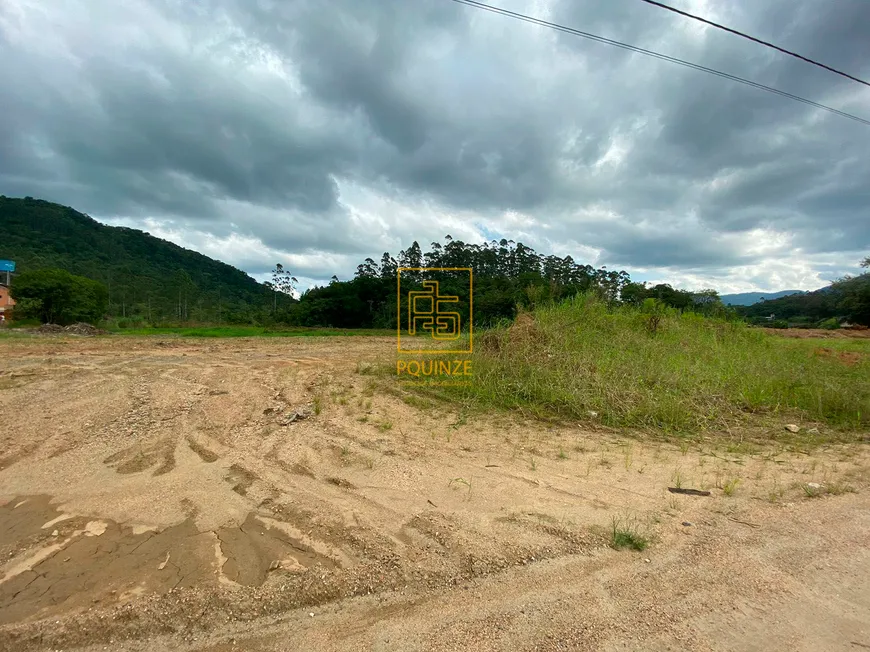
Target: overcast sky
[{"x": 318, "y": 132}]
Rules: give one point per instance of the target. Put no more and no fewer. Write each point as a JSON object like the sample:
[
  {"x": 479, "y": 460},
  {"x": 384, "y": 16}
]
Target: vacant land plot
[{"x": 265, "y": 494}]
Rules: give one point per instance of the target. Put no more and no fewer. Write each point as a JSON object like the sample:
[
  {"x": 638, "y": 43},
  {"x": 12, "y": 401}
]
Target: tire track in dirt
[{"x": 262, "y": 513}]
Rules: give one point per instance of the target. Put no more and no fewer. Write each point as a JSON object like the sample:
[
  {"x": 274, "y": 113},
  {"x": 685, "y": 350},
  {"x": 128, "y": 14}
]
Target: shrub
[{"x": 58, "y": 297}]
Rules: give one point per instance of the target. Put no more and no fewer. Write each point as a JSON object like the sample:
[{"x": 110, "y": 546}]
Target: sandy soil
[{"x": 275, "y": 495}]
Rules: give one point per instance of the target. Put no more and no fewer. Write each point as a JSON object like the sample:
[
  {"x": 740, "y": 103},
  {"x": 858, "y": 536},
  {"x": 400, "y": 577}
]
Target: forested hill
[{"x": 143, "y": 274}]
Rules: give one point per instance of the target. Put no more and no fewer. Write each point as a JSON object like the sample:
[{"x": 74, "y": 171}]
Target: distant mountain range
[{"x": 751, "y": 298}]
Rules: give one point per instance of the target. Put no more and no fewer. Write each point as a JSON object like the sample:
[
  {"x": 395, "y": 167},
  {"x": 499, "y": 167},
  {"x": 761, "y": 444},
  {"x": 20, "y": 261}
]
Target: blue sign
[{"x": 7, "y": 265}]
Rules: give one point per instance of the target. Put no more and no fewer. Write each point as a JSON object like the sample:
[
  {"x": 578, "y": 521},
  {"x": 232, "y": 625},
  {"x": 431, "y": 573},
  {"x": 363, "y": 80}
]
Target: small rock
[
  {"x": 687, "y": 524},
  {"x": 792, "y": 427},
  {"x": 593, "y": 413},
  {"x": 814, "y": 485},
  {"x": 646, "y": 561},
  {"x": 813, "y": 431},
  {"x": 287, "y": 420},
  {"x": 55, "y": 533},
  {"x": 311, "y": 614}
]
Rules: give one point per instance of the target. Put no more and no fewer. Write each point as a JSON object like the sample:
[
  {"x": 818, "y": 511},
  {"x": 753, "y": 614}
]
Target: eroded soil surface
[{"x": 276, "y": 495}]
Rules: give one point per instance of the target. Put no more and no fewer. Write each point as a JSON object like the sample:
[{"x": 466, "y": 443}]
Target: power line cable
[
  {"x": 757, "y": 40},
  {"x": 657, "y": 55}
]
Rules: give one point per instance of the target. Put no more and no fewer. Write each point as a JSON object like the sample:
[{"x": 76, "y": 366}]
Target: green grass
[
  {"x": 253, "y": 331},
  {"x": 625, "y": 534},
  {"x": 689, "y": 374}
]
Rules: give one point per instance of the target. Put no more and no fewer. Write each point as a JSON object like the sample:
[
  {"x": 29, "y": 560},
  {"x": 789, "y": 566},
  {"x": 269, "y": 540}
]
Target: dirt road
[{"x": 275, "y": 494}]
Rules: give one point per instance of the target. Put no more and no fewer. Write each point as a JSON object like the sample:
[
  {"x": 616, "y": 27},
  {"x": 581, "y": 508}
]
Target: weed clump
[{"x": 624, "y": 534}]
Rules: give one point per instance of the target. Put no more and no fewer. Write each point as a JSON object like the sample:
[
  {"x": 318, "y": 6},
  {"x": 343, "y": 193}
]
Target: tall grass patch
[{"x": 654, "y": 367}]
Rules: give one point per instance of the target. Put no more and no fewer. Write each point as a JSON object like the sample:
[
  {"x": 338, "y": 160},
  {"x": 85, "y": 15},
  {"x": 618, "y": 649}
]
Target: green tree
[
  {"x": 58, "y": 297},
  {"x": 388, "y": 266},
  {"x": 854, "y": 298},
  {"x": 368, "y": 269},
  {"x": 412, "y": 258},
  {"x": 283, "y": 282},
  {"x": 633, "y": 293}
]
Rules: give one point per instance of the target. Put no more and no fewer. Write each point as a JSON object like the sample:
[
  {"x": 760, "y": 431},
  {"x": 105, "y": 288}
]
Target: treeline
[
  {"x": 506, "y": 275},
  {"x": 73, "y": 268},
  {"x": 705, "y": 302},
  {"x": 151, "y": 281}
]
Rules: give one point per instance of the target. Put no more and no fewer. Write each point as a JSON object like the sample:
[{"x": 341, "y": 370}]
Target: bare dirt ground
[
  {"x": 267, "y": 495},
  {"x": 820, "y": 333}
]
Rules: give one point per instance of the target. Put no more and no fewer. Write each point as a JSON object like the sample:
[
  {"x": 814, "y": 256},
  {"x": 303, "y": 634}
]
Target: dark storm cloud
[
  {"x": 181, "y": 131},
  {"x": 661, "y": 246},
  {"x": 331, "y": 131}
]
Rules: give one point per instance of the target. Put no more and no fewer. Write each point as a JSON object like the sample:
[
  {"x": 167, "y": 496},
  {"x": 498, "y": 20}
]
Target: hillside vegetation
[
  {"x": 144, "y": 276},
  {"x": 847, "y": 299},
  {"x": 651, "y": 366},
  {"x": 151, "y": 282}
]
